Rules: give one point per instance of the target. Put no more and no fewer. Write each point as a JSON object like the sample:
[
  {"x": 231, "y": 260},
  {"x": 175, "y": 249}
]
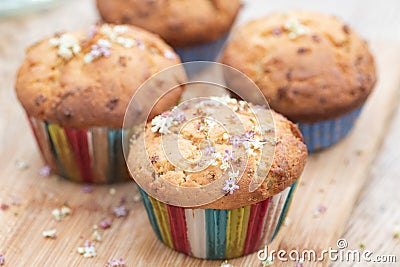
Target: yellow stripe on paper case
[
  {"x": 161, "y": 213},
  {"x": 64, "y": 152},
  {"x": 236, "y": 230},
  {"x": 44, "y": 143}
]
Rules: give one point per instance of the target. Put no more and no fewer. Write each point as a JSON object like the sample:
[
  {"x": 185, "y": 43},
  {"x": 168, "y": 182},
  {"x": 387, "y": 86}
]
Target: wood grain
[{"x": 333, "y": 178}]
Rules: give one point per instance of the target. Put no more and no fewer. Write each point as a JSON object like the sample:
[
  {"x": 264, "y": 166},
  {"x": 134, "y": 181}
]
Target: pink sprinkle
[
  {"x": 140, "y": 44},
  {"x": 92, "y": 31},
  {"x": 120, "y": 211},
  {"x": 88, "y": 244},
  {"x": 4, "y": 206},
  {"x": 249, "y": 135},
  {"x": 87, "y": 189},
  {"x": 2, "y": 260},
  {"x": 229, "y": 155},
  {"x": 210, "y": 150},
  {"x": 123, "y": 200},
  {"x": 116, "y": 263},
  {"x": 45, "y": 171},
  {"x": 105, "y": 224},
  {"x": 276, "y": 31},
  {"x": 180, "y": 116},
  {"x": 236, "y": 140},
  {"x": 165, "y": 114},
  {"x": 319, "y": 210},
  {"x": 230, "y": 186}
]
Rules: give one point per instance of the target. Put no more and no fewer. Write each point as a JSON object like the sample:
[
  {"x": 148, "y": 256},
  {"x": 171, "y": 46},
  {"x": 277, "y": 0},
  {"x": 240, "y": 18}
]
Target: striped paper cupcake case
[
  {"x": 320, "y": 135},
  {"x": 203, "y": 52},
  {"x": 218, "y": 234},
  {"x": 91, "y": 155}
]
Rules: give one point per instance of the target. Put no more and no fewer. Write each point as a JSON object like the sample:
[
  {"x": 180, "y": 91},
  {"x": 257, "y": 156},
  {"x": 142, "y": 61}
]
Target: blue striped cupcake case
[
  {"x": 321, "y": 135},
  {"x": 203, "y": 52},
  {"x": 218, "y": 234}
]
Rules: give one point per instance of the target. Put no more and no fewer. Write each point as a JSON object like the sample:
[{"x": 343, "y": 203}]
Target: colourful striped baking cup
[
  {"x": 320, "y": 135},
  {"x": 92, "y": 155},
  {"x": 218, "y": 234}
]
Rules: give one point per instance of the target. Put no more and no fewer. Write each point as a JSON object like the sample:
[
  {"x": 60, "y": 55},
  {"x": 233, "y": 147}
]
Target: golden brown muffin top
[
  {"x": 310, "y": 66},
  {"x": 239, "y": 149},
  {"x": 83, "y": 79},
  {"x": 180, "y": 23}
]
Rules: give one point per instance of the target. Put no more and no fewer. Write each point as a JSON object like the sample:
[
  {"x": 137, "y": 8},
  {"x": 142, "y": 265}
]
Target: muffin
[
  {"x": 213, "y": 212},
  {"x": 312, "y": 68},
  {"x": 197, "y": 29},
  {"x": 75, "y": 87}
]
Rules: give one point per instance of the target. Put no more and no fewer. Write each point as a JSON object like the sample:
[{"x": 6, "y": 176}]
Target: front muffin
[
  {"x": 197, "y": 29},
  {"x": 312, "y": 68},
  {"x": 228, "y": 218},
  {"x": 75, "y": 87}
]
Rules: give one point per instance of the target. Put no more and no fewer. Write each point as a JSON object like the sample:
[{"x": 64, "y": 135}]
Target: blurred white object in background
[{"x": 16, "y": 7}]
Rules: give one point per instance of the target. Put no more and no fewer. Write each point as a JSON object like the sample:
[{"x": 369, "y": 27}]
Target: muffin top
[
  {"x": 231, "y": 154},
  {"x": 310, "y": 66},
  {"x": 180, "y": 23},
  {"x": 83, "y": 79}
]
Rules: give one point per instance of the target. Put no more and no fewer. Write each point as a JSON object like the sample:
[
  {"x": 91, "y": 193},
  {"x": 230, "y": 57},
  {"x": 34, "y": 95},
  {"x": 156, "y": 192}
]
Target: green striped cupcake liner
[
  {"x": 218, "y": 234},
  {"x": 92, "y": 155}
]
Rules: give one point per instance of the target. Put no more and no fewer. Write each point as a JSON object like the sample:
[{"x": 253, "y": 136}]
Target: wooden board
[{"x": 333, "y": 178}]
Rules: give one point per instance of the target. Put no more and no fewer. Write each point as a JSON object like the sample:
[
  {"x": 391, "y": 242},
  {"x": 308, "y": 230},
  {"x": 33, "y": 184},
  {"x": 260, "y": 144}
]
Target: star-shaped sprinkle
[
  {"x": 59, "y": 214},
  {"x": 120, "y": 211},
  {"x": 45, "y": 171},
  {"x": 101, "y": 48},
  {"x": 116, "y": 263},
  {"x": 68, "y": 46},
  {"x": 22, "y": 165},
  {"x": 126, "y": 42},
  {"x": 257, "y": 143},
  {"x": 50, "y": 233},
  {"x": 236, "y": 140},
  {"x": 319, "y": 210},
  {"x": 161, "y": 123},
  {"x": 106, "y": 223},
  {"x": 210, "y": 150},
  {"x": 230, "y": 186},
  {"x": 88, "y": 250},
  {"x": 87, "y": 189},
  {"x": 295, "y": 28},
  {"x": 229, "y": 155}
]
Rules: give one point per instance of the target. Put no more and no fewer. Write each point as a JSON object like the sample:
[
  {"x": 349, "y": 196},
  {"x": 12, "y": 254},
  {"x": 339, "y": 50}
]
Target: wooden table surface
[{"x": 371, "y": 221}]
